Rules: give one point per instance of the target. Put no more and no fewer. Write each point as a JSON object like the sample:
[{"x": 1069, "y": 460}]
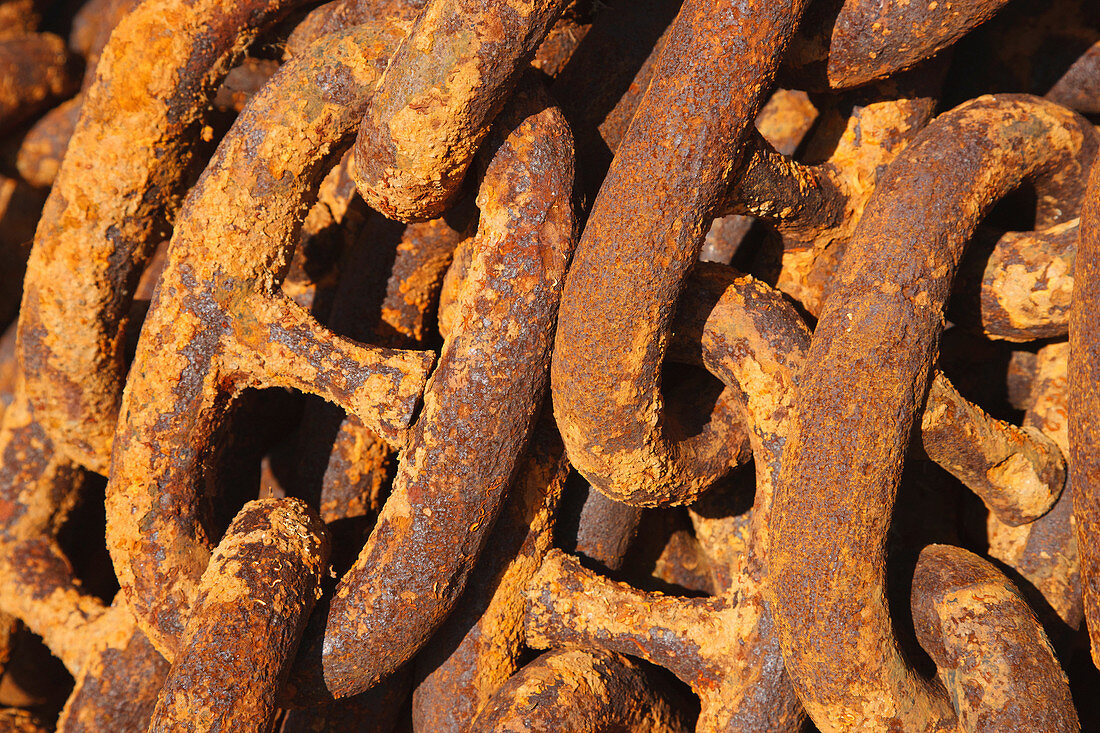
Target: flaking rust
[
  {"x": 724, "y": 647},
  {"x": 252, "y": 604},
  {"x": 1084, "y": 398}
]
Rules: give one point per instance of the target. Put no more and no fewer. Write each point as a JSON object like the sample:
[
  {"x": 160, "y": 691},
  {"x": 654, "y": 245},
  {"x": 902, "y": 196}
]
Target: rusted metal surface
[
  {"x": 243, "y": 82},
  {"x": 724, "y": 646},
  {"x": 348, "y": 474},
  {"x": 246, "y": 620},
  {"x": 573, "y": 690},
  {"x": 18, "y": 17},
  {"x": 605, "y": 529},
  {"x": 339, "y": 15},
  {"x": 118, "y": 685},
  {"x": 40, "y": 154},
  {"x": 1022, "y": 292},
  {"x": 117, "y": 670},
  {"x": 401, "y": 394},
  {"x": 34, "y": 71},
  {"x": 481, "y": 644},
  {"x": 20, "y": 205},
  {"x": 457, "y": 462},
  {"x": 867, "y": 371},
  {"x": 991, "y": 652},
  {"x": 647, "y": 227},
  {"x": 218, "y": 324},
  {"x": 38, "y": 488},
  {"x": 1084, "y": 399},
  {"x": 1018, "y": 472},
  {"x": 849, "y": 151},
  {"x": 43, "y": 147},
  {"x": 447, "y": 82},
  {"x": 1044, "y": 552},
  {"x": 14, "y": 720},
  {"x": 847, "y": 43},
  {"x": 684, "y": 564},
  {"x": 114, "y": 197},
  {"x": 1079, "y": 87}
]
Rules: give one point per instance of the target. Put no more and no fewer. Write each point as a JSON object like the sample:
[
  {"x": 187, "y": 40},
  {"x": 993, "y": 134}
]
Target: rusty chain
[{"x": 556, "y": 365}]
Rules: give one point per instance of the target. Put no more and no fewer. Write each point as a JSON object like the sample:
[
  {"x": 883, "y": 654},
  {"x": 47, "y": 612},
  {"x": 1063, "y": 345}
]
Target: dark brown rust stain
[
  {"x": 991, "y": 652},
  {"x": 437, "y": 101},
  {"x": 866, "y": 376},
  {"x": 847, "y": 43},
  {"x": 479, "y": 406},
  {"x": 218, "y": 323},
  {"x": 605, "y": 530},
  {"x": 115, "y": 195},
  {"x": 645, "y": 231},
  {"x": 246, "y": 619},
  {"x": 583, "y": 690},
  {"x": 1084, "y": 407}
]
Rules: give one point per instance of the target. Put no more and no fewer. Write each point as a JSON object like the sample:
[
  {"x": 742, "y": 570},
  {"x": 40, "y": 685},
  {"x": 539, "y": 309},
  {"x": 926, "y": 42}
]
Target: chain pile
[{"x": 549, "y": 365}]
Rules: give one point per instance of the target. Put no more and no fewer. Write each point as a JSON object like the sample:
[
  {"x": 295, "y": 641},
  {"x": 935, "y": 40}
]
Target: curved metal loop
[
  {"x": 644, "y": 233},
  {"x": 479, "y": 407},
  {"x": 219, "y": 324},
  {"x": 1084, "y": 401},
  {"x": 724, "y": 647},
  {"x": 574, "y": 689},
  {"x": 481, "y": 644},
  {"x": 991, "y": 652},
  {"x": 866, "y": 376},
  {"x": 115, "y": 195}
]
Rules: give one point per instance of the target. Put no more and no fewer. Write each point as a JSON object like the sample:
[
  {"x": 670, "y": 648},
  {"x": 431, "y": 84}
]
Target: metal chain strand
[{"x": 426, "y": 345}]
